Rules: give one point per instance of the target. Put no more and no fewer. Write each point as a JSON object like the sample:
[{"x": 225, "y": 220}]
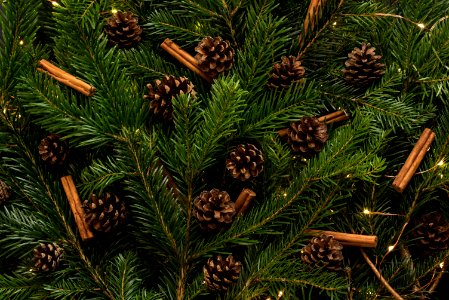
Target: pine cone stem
[{"x": 184, "y": 58}]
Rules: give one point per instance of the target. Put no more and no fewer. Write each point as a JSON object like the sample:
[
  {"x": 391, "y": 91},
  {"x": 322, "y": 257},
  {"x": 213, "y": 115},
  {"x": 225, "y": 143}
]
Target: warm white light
[
  {"x": 366, "y": 212},
  {"x": 442, "y": 264},
  {"x": 390, "y": 248},
  {"x": 348, "y": 176},
  {"x": 441, "y": 163},
  {"x": 421, "y": 25},
  {"x": 399, "y": 70},
  {"x": 335, "y": 23},
  {"x": 285, "y": 194},
  {"x": 280, "y": 294},
  {"x": 441, "y": 175},
  {"x": 55, "y": 3},
  {"x": 114, "y": 11},
  {"x": 269, "y": 298},
  {"x": 21, "y": 42}
]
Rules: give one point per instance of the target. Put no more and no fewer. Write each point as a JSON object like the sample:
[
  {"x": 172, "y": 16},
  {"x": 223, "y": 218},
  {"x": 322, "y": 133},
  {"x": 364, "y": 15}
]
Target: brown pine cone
[
  {"x": 245, "y": 161},
  {"x": 214, "y": 56},
  {"x": 5, "y": 192},
  {"x": 53, "y": 150},
  {"x": 122, "y": 30},
  {"x": 46, "y": 257},
  {"x": 323, "y": 251},
  {"x": 432, "y": 232},
  {"x": 363, "y": 66},
  {"x": 163, "y": 92},
  {"x": 307, "y": 136},
  {"x": 214, "y": 210},
  {"x": 220, "y": 274},
  {"x": 288, "y": 71},
  {"x": 106, "y": 213}
]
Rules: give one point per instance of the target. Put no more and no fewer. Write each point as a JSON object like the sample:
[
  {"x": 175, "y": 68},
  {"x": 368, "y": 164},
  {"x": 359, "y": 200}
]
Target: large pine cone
[
  {"x": 214, "y": 210},
  {"x": 46, "y": 257},
  {"x": 122, "y": 30},
  {"x": 363, "y": 66},
  {"x": 432, "y": 232},
  {"x": 245, "y": 162},
  {"x": 219, "y": 274},
  {"x": 53, "y": 150},
  {"x": 214, "y": 56},
  {"x": 325, "y": 251},
  {"x": 5, "y": 192},
  {"x": 285, "y": 73},
  {"x": 104, "y": 214},
  {"x": 163, "y": 92},
  {"x": 307, "y": 136}
]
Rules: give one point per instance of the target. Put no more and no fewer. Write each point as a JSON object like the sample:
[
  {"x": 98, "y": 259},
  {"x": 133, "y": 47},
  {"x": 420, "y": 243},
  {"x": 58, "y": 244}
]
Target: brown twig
[
  {"x": 380, "y": 277},
  {"x": 184, "y": 58}
]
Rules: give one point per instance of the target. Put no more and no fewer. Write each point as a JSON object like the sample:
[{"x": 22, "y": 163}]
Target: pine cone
[
  {"x": 219, "y": 274},
  {"x": 103, "y": 214},
  {"x": 122, "y": 30},
  {"x": 363, "y": 66},
  {"x": 53, "y": 150},
  {"x": 5, "y": 192},
  {"x": 285, "y": 73},
  {"x": 245, "y": 161},
  {"x": 162, "y": 94},
  {"x": 432, "y": 232},
  {"x": 46, "y": 257},
  {"x": 214, "y": 210},
  {"x": 214, "y": 56},
  {"x": 323, "y": 251},
  {"x": 307, "y": 136}
]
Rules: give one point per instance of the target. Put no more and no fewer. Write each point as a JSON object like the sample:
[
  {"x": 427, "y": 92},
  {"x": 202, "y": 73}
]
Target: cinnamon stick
[
  {"x": 244, "y": 200},
  {"x": 184, "y": 58},
  {"x": 414, "y": 160},
  {"x": 66, "y": 78},
  {"x": 337, "y": 116},
  {"x": 348, "y": 239},
  {"x": 77, "y": 210}
]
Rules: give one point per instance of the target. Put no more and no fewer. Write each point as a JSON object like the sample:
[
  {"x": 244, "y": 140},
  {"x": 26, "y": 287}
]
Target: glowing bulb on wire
[
  {"x": 421, "y": 25},
  {"x": 114, "y": 11},
  {"x": 390, "y": 248},
  {"x": 366, "y": 211}
]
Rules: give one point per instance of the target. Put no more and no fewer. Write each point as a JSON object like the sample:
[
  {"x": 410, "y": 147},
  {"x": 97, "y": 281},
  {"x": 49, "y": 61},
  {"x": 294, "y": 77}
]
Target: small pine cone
[
  {"x": 323, "y": 251},
  {"x": 214, "y": 210},
  {"x": 214, "y": 56},
  {"x": 363, "y": 66},
  {"x": 288, "y": 71},
  {"x": 122, "y": 30},
  {"x": 46, "y": 257},
  {"x": 432, "y": 232},
  {"x": 163, "y": 92},
  {"x": 106, "y": 213},
  {"x": 5, "y": 192},
  {"x": 219, "y": 274},
  {"x": 53, "y": 150},
  {"x": 245, "y": 161},
  {"x": 307, "y": 136}
]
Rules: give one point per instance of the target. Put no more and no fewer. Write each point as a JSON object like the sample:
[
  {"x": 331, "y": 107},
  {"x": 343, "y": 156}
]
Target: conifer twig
[{"x": 380, "y": 277}]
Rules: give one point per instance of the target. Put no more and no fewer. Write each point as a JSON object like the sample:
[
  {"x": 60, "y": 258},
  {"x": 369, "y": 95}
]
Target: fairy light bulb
[
  {"x": 441, "y": 264},
  {"x": 114, "y": 11},
  {"x": 280, "y": 294},
  {"x": 440, "y": 163},
  {"x": 366, "y": 211},
  {"x": 54, "y": 3},
  {"x": 390, "y": 248},
  {"x": 21, "y": 42},
  {"x": 421, "y": 25}
]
